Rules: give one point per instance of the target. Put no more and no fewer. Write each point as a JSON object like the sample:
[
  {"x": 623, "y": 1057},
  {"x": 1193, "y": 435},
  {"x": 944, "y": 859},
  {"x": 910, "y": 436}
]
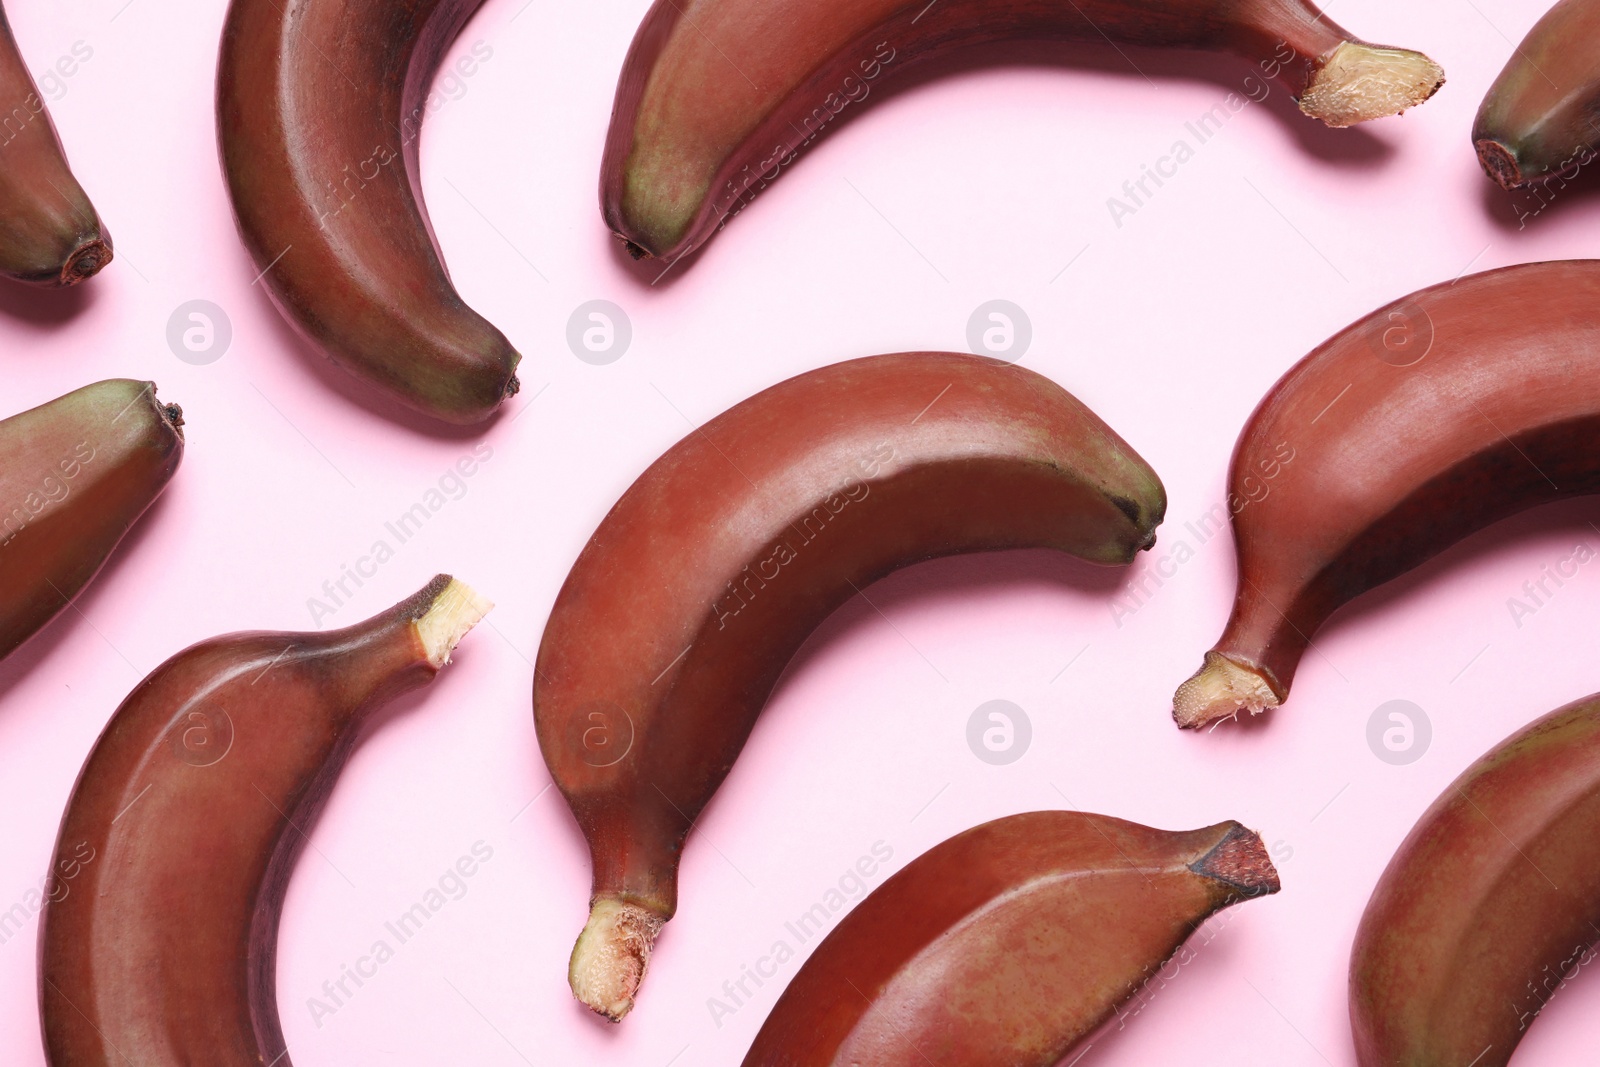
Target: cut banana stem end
[
  {"x": 1220, "y": 690},
  {"x": 1241, "y": 860},
  {"x": 611, "y": 956},
  {"x": 451, "y": 615},
  {"x": 1360, "y": 82}
]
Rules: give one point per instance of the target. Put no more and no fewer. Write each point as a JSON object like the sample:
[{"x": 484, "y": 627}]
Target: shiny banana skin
[
  {"x": 1538, "y": 122},
  {"x": 1410, "y": 429},
  {"x": 1007, "y": 945},
  {"x": 717, "y": 97},
  {"x": 49, "y": 232},
  {"x": 75, "y": 475},
  {"x": 1489, "y": 907},
  {"x": 184, "y": 826},
  {"x": 707, "y": 576},
  {"x": 319, "y": 110}
]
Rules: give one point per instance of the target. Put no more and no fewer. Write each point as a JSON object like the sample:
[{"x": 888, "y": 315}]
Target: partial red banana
[
  {"x": 75, "y": 475},
  {"x": 717, "y": 96},
  {"x": 319, "y": 108},
  {"x": 158, "y": 943},
  {"x": 1538, "y": 121},
  {"x": 1427, "y": 420},
  {"x": 49, "y": 232},
  {"x": 713, "y": 568},
  {"x": 1007, "y": 944},
  {"x": 1489, "y": 908}
]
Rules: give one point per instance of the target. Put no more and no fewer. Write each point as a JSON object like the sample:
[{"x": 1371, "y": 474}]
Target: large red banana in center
[
  {"x": 714, "y": 567},
  {"x": 717, "y": 96}
]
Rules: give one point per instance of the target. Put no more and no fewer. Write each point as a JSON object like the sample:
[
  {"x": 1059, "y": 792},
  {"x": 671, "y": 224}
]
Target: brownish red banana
[
  {"x": 1007, "y": 944},
  {"x": 717, "y": 97},
  {"x": 1541, "y": 119},
  {"x": 49, "y": 232},
  {"x": 715, "y": 565},
  {"x": 75, "y": 475},
  {"x": 184, "y": 826},
  {"x": 1408, "y": 430},
  {"x": 1489, "y": 907},
  {"x": 319, "y": 108}
]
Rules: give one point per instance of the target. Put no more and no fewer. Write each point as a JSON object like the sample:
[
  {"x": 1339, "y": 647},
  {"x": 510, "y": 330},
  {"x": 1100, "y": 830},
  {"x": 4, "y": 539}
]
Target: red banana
[
  {"x": 185, "y": 823},
  {"x": 319, "y": 106},
  {"x": 49, "y": 232},
  {"x": 1538, "y": 121},
  {"x": 1408, "y": 430},
  {"x": 1489, "y": 907},
  {"x": 717, "y": 96},
  {"x": 1007, "y": 944},
  {"x": 709, "y": 573},
  {"x": 75, "y": 475}
]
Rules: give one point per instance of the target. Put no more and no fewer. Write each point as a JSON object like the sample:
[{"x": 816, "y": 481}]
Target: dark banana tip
[
  {"x": 86, "y": 261},
  {"x": 174, "y": 416},
  {"x": 1240, "y": 859},
  {"x": 1499, "y": 163}
]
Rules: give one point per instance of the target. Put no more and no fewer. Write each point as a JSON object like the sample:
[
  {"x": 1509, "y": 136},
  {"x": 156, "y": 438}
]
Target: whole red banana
[
  {"x": 1489, "y": 907},
  {"x": 75, "y": 475},
  {"x": 1408, "y": 430},
  {"x": 1007, "y": 944},
  {"x": 186, "y": 821},
  {"x": 319, "y": 108},
  {"x": 719, "y": 561},
  {"x": 717, "y": 96},
  {"x": 1538, "y": 121},
  {"x": 49, "y": 232}
]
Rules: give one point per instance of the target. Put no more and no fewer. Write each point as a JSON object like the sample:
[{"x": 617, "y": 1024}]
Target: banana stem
[
  {"x": 454, "y": 612},
  {"x": 1359, "y": 82},
  {"x": 611, "y": 956},
  {"x": 1220, "y": 690}
]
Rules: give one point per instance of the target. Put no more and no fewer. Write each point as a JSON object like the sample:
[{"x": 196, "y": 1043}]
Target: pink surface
[{"x": 991, "y": 182}]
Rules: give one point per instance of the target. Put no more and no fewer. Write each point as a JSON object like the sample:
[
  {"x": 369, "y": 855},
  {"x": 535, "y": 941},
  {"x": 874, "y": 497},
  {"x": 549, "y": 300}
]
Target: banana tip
[
  {"x": 611, "y": 956},
  {"x": 1360, "y": 82},
  {"x": 1219, "y": 690},
  {"x": 1499, "y": 163},
  {"x": 86, "y": 261}
]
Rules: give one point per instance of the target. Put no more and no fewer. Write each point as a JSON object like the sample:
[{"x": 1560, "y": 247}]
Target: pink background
[{"x": 983, "y": 183}]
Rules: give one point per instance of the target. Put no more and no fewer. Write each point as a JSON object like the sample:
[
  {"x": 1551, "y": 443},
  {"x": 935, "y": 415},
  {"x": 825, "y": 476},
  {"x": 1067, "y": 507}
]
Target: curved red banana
[
  {"x": 719, "y": 561},
  {"x": 1431, "y": 418},
  {"x": 319, "y": 108},
  {"x": 185, "y": 824},
  {"x": 718, "y": 96}
]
